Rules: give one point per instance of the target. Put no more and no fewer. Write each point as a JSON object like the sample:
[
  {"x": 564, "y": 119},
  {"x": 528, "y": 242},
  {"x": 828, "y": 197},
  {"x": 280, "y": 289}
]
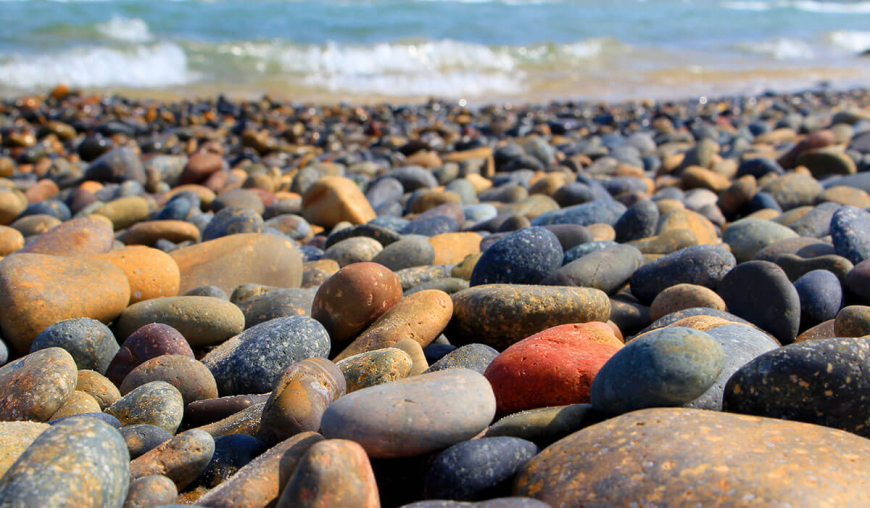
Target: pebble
[
  {"x": 99, "y": 387},
  {"x": 608, "y": 269},
  {"x": 334, "y": 199},
  {"x": 544, "y": 426},
  {"x": 202, "y": 320},
  {"x": 147, "y": 342},
  {"x": 181, "y": 459},
  {"x": 91, "y": 344},
  {"x": 524, "y": 257},
  {"x": 748, "y": 236},
  {"x": 154, "y": 490},
  {"x": 151, "y": 273},
  {"x": 684, "y": 296},
  {"x": 276, "y": 303},
  {"x": 406, "y": 253},
  {"x": 476, "y": 357},
  {"x": 796, "y": 267},
  {"x": 15, "y": 437},
  {"x": 852, "y": 321},
  {"x": 156, "y": 403},
  {"x": 702, "y": 265},
  {"x": 78, "y": 237},
  {"x": 141, "y": 438},
  {"x": 850, "y": 231},
  {"x": 375, "y": 367},
  {"x": 231, "y": 453},
  {"x": 821, "y": 297},
  {"x": 358, "y": 249},
  {"x": 78, "y": 403},
  {"x": 192, "y": 379},
  {"x": 35, "y": 386}
]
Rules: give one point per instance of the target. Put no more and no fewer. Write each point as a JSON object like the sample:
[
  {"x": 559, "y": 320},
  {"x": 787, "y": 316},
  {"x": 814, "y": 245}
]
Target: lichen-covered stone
[
  {"x": 157, "y": 403},
  {"x": 181, "y": 459},
  {"x": 375, "y": 367},
  {"x": 36, "y": 386},
  {"x": 15, "y": 437}
]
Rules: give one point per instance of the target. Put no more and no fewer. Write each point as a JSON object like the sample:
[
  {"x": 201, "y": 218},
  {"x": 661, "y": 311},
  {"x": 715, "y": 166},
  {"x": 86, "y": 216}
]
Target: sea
[{"x": 477, "y": 51}]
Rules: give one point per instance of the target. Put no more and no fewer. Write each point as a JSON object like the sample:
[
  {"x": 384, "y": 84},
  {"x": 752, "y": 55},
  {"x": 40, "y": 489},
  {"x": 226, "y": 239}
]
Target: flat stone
[
  {"x": 546, "y": 425},
  {"x": 192, "y": 379},
  {"x": 375, "y": 367},
  {"x": 78, "y": 237},
  {"x": 608, "y": 269},
  {"x": 748, "y": 236},
  {"x": 202, "y": 320},
  {"x": 703, "y": 265}
]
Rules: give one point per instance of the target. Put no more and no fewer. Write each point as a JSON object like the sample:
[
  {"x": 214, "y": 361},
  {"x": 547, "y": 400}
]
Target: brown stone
[
  {"x": 452, "y": 248},
  {"x": 419, "y": 364},
  {"x": 703, "y": 229},
  {"x": 190, "y": 377},
  {"x": 852, "y": 321},
  {"x": 334, "y": 199},
  {"x": 315, "y": 273},
  {"x": 684, "y": 296},
  {"x": 153, "y": 490},
  {"x": 12, "y": 203},
  {"x": 15, "y": 437},
  {"x": 42, "y": 190},
  {"x": 199, "y": 167},
  {"x": 692, "y": 457},
  {"x": 147, "y": 233},
  {"x": 696, "y": 177},
  {"x": 151, "y": 273},
  {"x": 36, "y": 386},
  {"x": 374, "y": 368},
  {"x": 202, "y": 320},
  {"x": 77, "y": 237},
  {"x": 211, "y": 410},
  {"x": 99, "y": 387},
  {"x": 147, "y": 342},
  {"x": 823, "y": 330},
  {"x": 181, "y": 459},
  {"x": 126, "y": 211},
  {"x": 37, "y": 291},
  {"x": 246, "y": 421},
  {"x": 76, "y": 404},
  {"x": 11, "y": 240}
]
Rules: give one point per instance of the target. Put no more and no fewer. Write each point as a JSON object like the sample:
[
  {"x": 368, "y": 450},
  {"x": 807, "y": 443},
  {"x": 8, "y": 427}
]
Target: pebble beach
[{"x": 255, "y": 303}]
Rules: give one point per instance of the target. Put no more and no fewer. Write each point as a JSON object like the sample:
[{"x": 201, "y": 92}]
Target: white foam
[
  {"x": 126, "y": 29},
  {"x": 782, "y": 48},
  {"x": 851, "y": 41},
  {"x": 801, "y": 5},
  {"x": 154, "y": 66}
]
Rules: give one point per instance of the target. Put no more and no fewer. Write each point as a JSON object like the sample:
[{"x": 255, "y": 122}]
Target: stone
[
  {"x": 154, "y": 490},
  {"x": 852, "y": 321},
  {"x": 117, "y": 166},
  {"x": 544, "y": 426},
  {"x": 37, "y": 291},
  {"x": 36, "y": 386},
  {"x": 824, "y": 162},
  {"x": 452, "y": 248},
  {"x": 818, "y": 381},
  {"x": 748, "y": 236},
  {"x": 375, "y": 367},
  {"x": 406, "y": 253},
  {"x": 382, "y": 235},
  {"x": 666, "y": 243},
  {"x": 79, "y": 403},
  {"x": 276, "y": 303},
  {"x": 524, "y": 257},
  {"x": 667, "y": 367},
  {"x": 358, "y": 249},
  {"x": 231, "y": 453},
  {"x": 234, "y": 260},
  {"x": 727, "y": 461},
  {"x": 149, "y": 232},
  {"x": 231, "y": 221},
  {"x": 99, "y": 387},
  {"x": 147, "y": 342},
  {"x": 78, "y": 462},
  {"x": 151, "y": 273},
  {"x": 499, "y": 315},
  {"x": 334, "y": 199},
  {"x": 211, "y": 410},
  {"x": 181, "y": 459},
  {"x": 760, "y": 292},
  {"x": 15, "y": 438},
  {"x": 124, "y": 212},
  {"x": 90, "y": 342},
  {"x": 78, "y": 237},
  {"x": 608, "y": 269},
  {"x": 638, "y": 222},
  {"x": 684, "y": 296},
  {"x": 796, "y": 266},
  {"x": 253, "y": 361},
  {"x": 142, "y": 438},
  {"x": 793, "y": 190},
  {"x": 157, "y": 403},
  {"x": 11, "y": 240},
  {"x": 476, "y": 357},
  {"x": 821, "y": 297},
  {"x": 803, "y": 247},
  {"x": 552, "y": 368},
  {"x": 478, "y": 469},
  {"x": 593, "y": 212},
  {"x": 850, "y": 231},
  {"x": 858, "y": 282},
  {"x": 315, "y": 273},
  {"x": 699, "y": 225},
  {"x": 335, "y": 472},
  {"x": 202, "y": 320},
  {"x": 455, "y": 405},
  {"x": 820, "y": 331},
  {"x": 192, "y": 379},
  {"x": 352, "y": 299},
  {"x": 199, "y": 167},
  {"x": 702, "y": 265}
]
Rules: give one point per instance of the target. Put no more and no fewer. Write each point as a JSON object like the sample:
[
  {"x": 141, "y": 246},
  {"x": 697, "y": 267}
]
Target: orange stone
[
  {"x": 452, "y": 248},
  {"x": 151, "y": 273}
]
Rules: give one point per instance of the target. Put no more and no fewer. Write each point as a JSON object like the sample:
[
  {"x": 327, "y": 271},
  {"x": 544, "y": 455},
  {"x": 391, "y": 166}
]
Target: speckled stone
[
  {"x": 332, "y": 473},
  {"x": 211, "y": 291},
  {"x": 727, "y": 461},
  {"x": 413, "y": 416},
  {"x": 78, "y": 237},
  {"x": 852, "y": 321},
  {"x": 412, "y": 277},
  {"x": 406, "y": 253},
  {"x": 78, "y": 462},
  {"x": 352, "y": 299},
  {"x": 748, "y": 236},
  {"x": 499, "y": 315},
  {"x": 154, "y": 490},
  {"x": 211, "y": 410},
  {"x": 231, "y": 453},
  {"x": 141, "y": 438},
  {"x": 608, "y": 269},
  {"x": 546, "y": 425},
  {"x": 702, "y": 265},
  {"x": 99, "y": 387},
  {"x": 276, "y": 303},
  {"x": 202, "y": 320},
  {"x": 638, "y": 222},
  {"x": 700, "y": 226},
  {"x": 181, "y": 459},
  {"x": 760, "y": 292},
  {"x": 793, "y": 190},
  {"x": 850, "y": 231},
  {"x": 524, "y": 257},
  {"x": 593, "y": 212},
  {"x": 803, "y": 247},
  {"x": 478, "y": 469},
  {"x": 15, "y": 437},
  {"x": 667, "y": 367},
  {"x": 315, "y": 273},
  {"x": 684, "y": 296},
  {"x": 818, "y": 381},
  {"x": 157, "y": 403},
  {"x": 667, "y": 242},
  {"x": 149, "y": 232},
  {"x": 695, "y": 311},
  {"x": 190, "y": 377},
  {"x": 821, "y": 297},
  {"x": 384, "y": 236},
  {"x": 147, "y": 342},
  {"x": 375, "y": 367},
  {"x": 232, "y": 220},
  {"x": 476, "y": 357},
  {"x": 151, "y": 272},
  {"x": 358, "y": 249},
  {"x": 88, "y": 341},
  {"x": 252, "y": 361},
  {"x": 246, "y": 421},
  {"x": 300, "y": 396},
  {"x": 796, "y": 266},
  {"x": 258, "y": 484},
  {"x": 36, "y": 386},
  {"x": 79, "y": 403}
]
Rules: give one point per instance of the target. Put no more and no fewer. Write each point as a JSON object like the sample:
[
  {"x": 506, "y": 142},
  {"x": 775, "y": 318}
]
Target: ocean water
[{"x": 480, "y": 50}]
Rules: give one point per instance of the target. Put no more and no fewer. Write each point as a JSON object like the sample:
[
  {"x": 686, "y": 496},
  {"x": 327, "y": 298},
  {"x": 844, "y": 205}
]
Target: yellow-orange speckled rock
[
  {"x": 703, "y": 229},
  {"x": 820, "y": 331},
  {"x": 37, "y": 291},
  {"x": 15, "y": 437},
  {"x": 147, "y": 233},
  {"x": 77, "y": 403},
  {"x": 78, "y": 237},
  {"x": 852, "y": 321},
  {"x": 36, "y": 386},
  {"x": 151, "y": 273},
  {"x": 684, "y": 296},
  {"x": 336, "y": 473},
  {"x": 421, "y": 317},
  {"x": 452, "y": 248},
  {"x": 12, "y": 203},
  {"x": 181, "y": 459},
  {"x": 10, "y": 240},
  {"x": 499, "y": 315},
  {"x": 234, "y": 260},
  {"x": 206, "y": 195},
  {"x": 667, "y": 242},
  {"x": 99, "y": 387},
  {"x": 334, "y": 199},
  {"x": 375, "y": 367},
  {"x": 692, "y": 457},
  {"x": 126, "y": 211},
  {"x": 245, "y": 421},
  {"x": 701, "y": 323},
  {"x": 315, "y": 273}
]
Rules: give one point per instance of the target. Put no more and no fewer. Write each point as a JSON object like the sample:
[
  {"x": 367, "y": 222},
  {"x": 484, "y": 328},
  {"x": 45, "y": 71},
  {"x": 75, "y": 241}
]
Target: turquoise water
[{"x": 476, "y": 48}]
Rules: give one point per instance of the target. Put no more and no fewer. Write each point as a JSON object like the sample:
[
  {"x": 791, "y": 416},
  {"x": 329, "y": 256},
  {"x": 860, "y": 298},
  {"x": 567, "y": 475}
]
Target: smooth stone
[
  {"x": 700, "y": 226},
  {"x": 33, "y": 225},
  {"x": 233, "y": 220},
  {"x": 502, "y": 502},
  {"x": 420, "y": 317},
  {"x": 727, "y": 461},
  {"x": 202, "y": 320},
  {"x": 793, "y": 190},
  {"x": 142, "y": 438},
  {"x": 803, "y": 247},
  {"x": 315, "y": 273},
  {"x": 88, "y": 341},
  {"x": 15, "y": 438},
  {"x": 702, "y": 265},
  {"x": 608, "y": 269},
  {"x": 335, "y": 472},
  {"x": 275, "y": 304},
  {"x": 760, "y": 292},
  {"x": 524, "y": 257},
  {"x": 544, "y": 426},
  {"x": 820, "y": 331},
  {"x": 452, "y": 248},
  {"x": 850, "y": 231},
  {"x": 78, "y": 237},
  {"x": 151, "y": 273},
  {"x": 684, "y": 296},
  {"x": 299, "y": 398},
  {"x": 37, "y": 291},
  {"x": 818, "y": 381},
  {"x": 154, "y": 490},
  {"x": 147, "y": 342},
  {"x": 181, "y": 459},
  {"x": 852, "y": 321},
  {"x": 148, "y": 233},
  {"x": 816, "y": 223},
  {"x": 358, "y": 249},
  {"x": 476, "y": 357},
  {"x": 157, "y": 403},
  {"x": 79, "y": 403},
  {"x": 638, "y": 222},
  {"x": 11, "y": 240},
  {"x": 211, "y": 410},
  {"x": 821, "y": 297},
  {"x": 796, "y": 266},
  {"x": 455, "y": 405},
  {"x": 552, "y": 368},
  {"x": 373, "y": 368},
  {"x": 36, "y": 386},
  {"x": 334, "y": 199},
  {"x": 124, "y": 212},
  {"x": 825, "y": 162},
  {"x": 499, "y": 315},
  {"x": 231, "y": 453},
  {"x": 858, "y": 282},
  {"x": 412, "y": 277},
  {"x": 383, "y": 235},
  {"x": 478, "y": 469},
  {"x": 253, "y": 361},
  {"x": 406, "y": 253},
  {"x": 99, "y": 387},
  {"x": 667, "y": 367},
  {"x": 234, "y": 260},
  {"x": 748, "y": 236},
  {"x": 448, "y": 285},
  {"x": 680, "y": 315},
  {"x": 117, "y": 165},
  {"x": 352, "y": 299},
  {"x": 431, "y": 226},
  {"x": 593, "y": 212},
  {"x": 212, "y": 291},
  {"x": 192, "y": 379},
  {"x": 419, "y": 363},
  {"x": 629, "y": 316},
  {"x": 79, "y": 462}
]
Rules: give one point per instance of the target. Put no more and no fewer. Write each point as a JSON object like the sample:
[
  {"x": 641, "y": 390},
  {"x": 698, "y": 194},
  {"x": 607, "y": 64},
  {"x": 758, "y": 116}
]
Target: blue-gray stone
[
  {"x": 702, "y": 265},
  {"x": 850, "y": 231},
  {"x": 821, "y": 297},
  {"x": 608, "y": 269},
  {"x": 594, "y": 212},
  {"x": 91, "y": 344},
  {"x": 638, "y": 222},
  {"x": 476, "y": 357},
  {"x": 587, "y": 248},
  {"x": 523, "y": 257},
  {"x": 233, "y": 220},
  {"x": 143, "y": 438}
]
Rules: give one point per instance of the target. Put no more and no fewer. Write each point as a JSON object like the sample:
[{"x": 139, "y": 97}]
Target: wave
[
  {"x": 851, "y": 41},
  {"x": 801, "y": 5},
  {"x": 155, "y": 66},
  {"x": 125, "y": 29},
  {"x": 782, "y": 48}
]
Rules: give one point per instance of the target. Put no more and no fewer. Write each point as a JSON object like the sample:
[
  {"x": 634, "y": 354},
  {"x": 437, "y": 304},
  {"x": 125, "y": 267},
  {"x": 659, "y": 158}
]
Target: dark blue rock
[
  {"x": 117, "y": 166},
  {"x": 570, "y": 235},
  {"x": 594, "y": 212},
  {"x": 231, "y": 453},
  {"x": 178, "y": 208},
  {"x": 761, "y": 201},
  {"x": 435, "y": 352},
  {"x": 52, "y": 207},
  {"x": 608, "y": 269},
  {"x": 617, "y": 185},
  {"x": 850, "y": 231},
  {"x": 585, "y": 249},
  {"x": 821, "y": 297},
  {"x": 761, "y": 293},
  {"x": 143, "y": 438},
  {"x": 759, "y": 167},
  {"x": 822, "y": 381},
  {"x": 413, "y": 178},
  {"x": 477, "y": 469},
  {"x": 406, "y": 253},
  {"x": 384, "y": 190},
  {"x": 310, "y": 252},
  {"x": 476, "y": 357},
  {"x": 91, "y": 344},
  {"x": 107, "y": 418},
  {"x": 523, "y": 257},
  {"x": 233, "y": 220},
  {"x": 702, "y": 265},
  {"x": 638, "y": 222},
  {"x": 431, "y": 226},
  {"x": 667, "y": 367},
  {"x": 859, "y": 181}
]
